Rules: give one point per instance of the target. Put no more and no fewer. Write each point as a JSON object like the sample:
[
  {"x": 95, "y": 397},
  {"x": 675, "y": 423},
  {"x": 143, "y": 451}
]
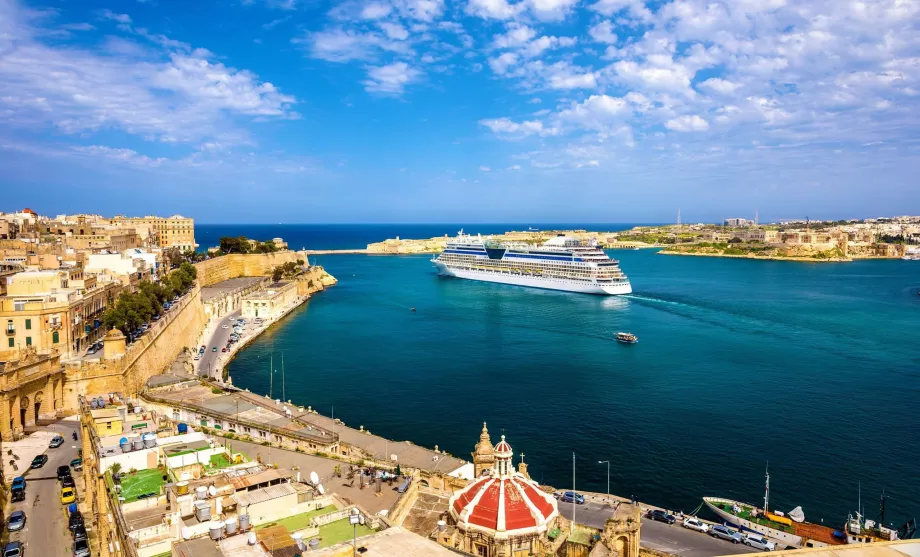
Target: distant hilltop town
[{"x": 842, "y": 240}]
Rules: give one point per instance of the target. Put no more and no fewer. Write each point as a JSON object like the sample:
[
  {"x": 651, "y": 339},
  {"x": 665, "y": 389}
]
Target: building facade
[
  {"x": 52, "y": 311},
  {"x": 168, "y": 232},
  {"x": 271, "y": 301}
]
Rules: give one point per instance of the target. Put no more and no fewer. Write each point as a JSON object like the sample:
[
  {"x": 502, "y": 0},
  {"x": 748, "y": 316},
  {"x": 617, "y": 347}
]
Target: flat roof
[
  {"x": 227, "y": 286},
  {"x": 101, "y": 413},
  {"x": 199, "y": 547},
  {"x": 392, "y": 542},
  {"x": 265, "y": 494}
]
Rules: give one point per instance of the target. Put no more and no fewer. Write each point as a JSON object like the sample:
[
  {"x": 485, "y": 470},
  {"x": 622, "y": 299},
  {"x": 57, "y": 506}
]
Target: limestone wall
[
  {"x": 150, "y": 355},
  {"x": 315, "y": 279},
  {"x": 236, "y": 265}
]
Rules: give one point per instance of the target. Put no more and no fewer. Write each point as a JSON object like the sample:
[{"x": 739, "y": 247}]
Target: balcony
[{"x": 11, "y": 331}]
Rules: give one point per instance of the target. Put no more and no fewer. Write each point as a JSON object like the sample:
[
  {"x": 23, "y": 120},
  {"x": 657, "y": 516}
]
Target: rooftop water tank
[
  {"x": 212, "y": 491},
  {"x": 125, "y": 446},
  {"x": 202, "y": 511},
  {"x": 314, "y": 544},
  {"x": 442, "y": 525},
  {"x": 244, "y": 522},
  {"x": 186, "y": 533},
  {"x": 150, "y": 440},
  {"x": 216, "y": 530},
  {"x": 182, "y": 488},
  {"x": 201, "y": 492},
  {"x": 298, "y": 539},
  {"x": 251, "y": 539},
  {"x": 231, "y": 526},
  {"x": 137, "y": 444},
  {"x": 183, "y": 428}
]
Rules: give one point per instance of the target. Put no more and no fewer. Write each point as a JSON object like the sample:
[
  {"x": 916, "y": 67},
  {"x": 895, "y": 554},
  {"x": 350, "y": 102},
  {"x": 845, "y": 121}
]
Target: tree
[
  {"x": 173, "y": 257},
  {"x": 230, "y": 244}
]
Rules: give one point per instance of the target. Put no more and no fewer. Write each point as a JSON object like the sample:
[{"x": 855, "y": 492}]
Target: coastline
[{"x": 761, "y": 257}]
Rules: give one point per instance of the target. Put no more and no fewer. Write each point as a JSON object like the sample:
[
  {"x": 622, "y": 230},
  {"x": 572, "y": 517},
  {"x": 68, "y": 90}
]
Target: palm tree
[{"x": 115, "y": 469}]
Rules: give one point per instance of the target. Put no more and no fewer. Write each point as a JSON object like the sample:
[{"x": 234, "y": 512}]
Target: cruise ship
[{"x": 561, "y": 263}]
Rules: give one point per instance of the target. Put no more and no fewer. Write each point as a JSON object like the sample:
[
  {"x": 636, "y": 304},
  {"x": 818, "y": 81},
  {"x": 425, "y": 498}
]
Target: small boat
[
  {"x": 412, "y": 309},
  {"x": 627, "y": 338}
]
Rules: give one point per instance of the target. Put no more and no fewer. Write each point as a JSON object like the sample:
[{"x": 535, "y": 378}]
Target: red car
[{"x": 223, "y": 349}]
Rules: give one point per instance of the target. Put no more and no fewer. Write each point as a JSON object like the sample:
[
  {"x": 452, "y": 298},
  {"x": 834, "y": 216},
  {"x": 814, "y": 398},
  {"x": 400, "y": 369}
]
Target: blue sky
[{"x": 461, "y": 111}]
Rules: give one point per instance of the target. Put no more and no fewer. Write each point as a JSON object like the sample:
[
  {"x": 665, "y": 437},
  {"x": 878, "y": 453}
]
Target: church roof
[
  {"x": 503, "y": 446},
  {"x": 503, "y": 507}
]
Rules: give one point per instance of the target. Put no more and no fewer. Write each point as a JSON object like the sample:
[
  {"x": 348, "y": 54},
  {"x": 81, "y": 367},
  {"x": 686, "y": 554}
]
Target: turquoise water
[{"x": 812, "y": 367}]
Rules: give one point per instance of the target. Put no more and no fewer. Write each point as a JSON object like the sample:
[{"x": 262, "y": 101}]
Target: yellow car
[{"x": 68, "y": 495}]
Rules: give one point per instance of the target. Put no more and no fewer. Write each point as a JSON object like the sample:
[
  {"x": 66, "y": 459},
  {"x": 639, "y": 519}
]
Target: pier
[{"x": 336, "y": 252}]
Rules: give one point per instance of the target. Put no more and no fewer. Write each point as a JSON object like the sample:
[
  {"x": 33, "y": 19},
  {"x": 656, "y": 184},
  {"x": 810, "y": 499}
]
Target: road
[
  {"x": 656, "y": 535},
  {"x": 46, "y": 530},
  {"x": 219, "y": 336}
]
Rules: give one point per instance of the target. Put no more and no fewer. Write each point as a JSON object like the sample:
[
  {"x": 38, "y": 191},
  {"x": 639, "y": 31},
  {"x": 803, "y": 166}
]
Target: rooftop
[
  {"x": 200, "y": 547},
  {"x": 228, "y": 286},
  {"x": 392, "y": 542}
]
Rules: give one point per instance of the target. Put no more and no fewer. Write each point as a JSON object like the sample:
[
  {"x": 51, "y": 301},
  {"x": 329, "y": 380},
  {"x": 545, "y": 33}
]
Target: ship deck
[{"x": 746, "y": 515}]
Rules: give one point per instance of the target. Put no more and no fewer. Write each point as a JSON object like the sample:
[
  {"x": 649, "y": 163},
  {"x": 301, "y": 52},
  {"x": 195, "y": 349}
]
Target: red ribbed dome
[
  {"x": 503, "y": 446},
  {"x": 503, "y": 506}
]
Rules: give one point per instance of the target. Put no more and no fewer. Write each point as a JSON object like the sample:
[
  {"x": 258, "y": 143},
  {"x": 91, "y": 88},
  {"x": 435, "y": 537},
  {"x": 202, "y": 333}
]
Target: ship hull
[
  {"x": 742, "y": 524},
  {"x": 535, "y": 281}
]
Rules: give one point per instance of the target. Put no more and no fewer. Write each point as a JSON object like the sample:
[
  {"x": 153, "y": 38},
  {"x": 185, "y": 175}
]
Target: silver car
[
  {"x": 759, "y": 542},
  {"x": 725, "y": 533}
]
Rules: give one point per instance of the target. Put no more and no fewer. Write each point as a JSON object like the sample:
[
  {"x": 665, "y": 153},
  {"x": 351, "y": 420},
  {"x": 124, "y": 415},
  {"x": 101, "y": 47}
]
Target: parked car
[
  {"x": 17, "y": 521},
  {"x": 68, "y": 482},
  {"x": 696, "y": 524},
  {"x": 13, "y": 549},
  {"x": 202, "y": 348},
  {"x": 224, "y": 327},
  {"x": 18, "y": 489},
  {"x": 224, "y": 349},
  {"x": 79, "y": 533},
  {"x": 92, "y": 350},
  {"x": 77, "y": 464},
  {"x": 659, "y": 515},
  {"x": 81, "y": 549},
  {"x": 758, "y": 542},
  {"x": 75, "y": 521},
  {"x": 68, "y": 495},
  {"x": 725, "y": 533},
  {"x": 213, "y": 349},
  {"x": 62, "y": 472},
  {"x": 56, "y": 442},
  {"x": 197, "y": 357},
  {"x": 572, "y": 497},
  {"x": 39, "y": 461}
]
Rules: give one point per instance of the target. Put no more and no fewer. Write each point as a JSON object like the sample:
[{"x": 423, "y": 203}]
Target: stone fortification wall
[
  {"x": 316, "y": 279},
  {"x": 236, "y": 265},
  {"x": 149, "y": 355}
]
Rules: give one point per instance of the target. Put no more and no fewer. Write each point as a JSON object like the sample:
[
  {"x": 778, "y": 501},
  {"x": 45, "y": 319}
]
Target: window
[
  {"x": 55, "y": 337},
  {"x": 28, "y": 341},
  {"x": 28, "y": 324},
  {"x": 12, "y": 342}
]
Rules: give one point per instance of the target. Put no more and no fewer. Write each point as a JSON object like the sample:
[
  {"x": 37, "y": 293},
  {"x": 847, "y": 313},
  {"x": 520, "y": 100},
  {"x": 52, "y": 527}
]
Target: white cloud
[
  {"x": 485, "y": 169},
  {"x": 376, "y": 10},
  {"x": 77, "y": 27},
  {"x": 506, "y": 127},
  {"x": 168, "y": 95},
  {"x": 390, "y": 79},
  {"x": 343, "y": 45},
  {"x": 120, "y": 18},
  {"x": 395, "y": 31},
  {"x": 514, "y": 167},
  {"x": 721, "y": 86},
  {"x": 538, "y": 46},
  {"x": 551, "y": 10},
  {"x": 687, "y": 124},
  {"x": 503, "y": 62},
  {"x": 493, "y": 9},
  {"x": 602, "y": 32},
  {"x": 517, "y": 35},
  {"x": 274, "y": 23}
]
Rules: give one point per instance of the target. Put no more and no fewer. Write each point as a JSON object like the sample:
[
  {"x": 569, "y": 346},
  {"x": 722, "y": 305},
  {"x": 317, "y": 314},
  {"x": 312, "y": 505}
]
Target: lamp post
[
  {"x": 353, "y": 518},
  {"x": 607, "y": 462}
]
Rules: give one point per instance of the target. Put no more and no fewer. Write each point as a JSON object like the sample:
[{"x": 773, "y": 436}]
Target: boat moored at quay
[
  {"x": 792, "y": 530},
  {"x": 561, "y": 263}
]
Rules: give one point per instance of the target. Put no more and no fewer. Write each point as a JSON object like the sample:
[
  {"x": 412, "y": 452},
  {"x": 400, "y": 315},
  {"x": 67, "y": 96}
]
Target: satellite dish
[
  {"x": 314, "y": 478},
  {"x": 321, "y": 489}
]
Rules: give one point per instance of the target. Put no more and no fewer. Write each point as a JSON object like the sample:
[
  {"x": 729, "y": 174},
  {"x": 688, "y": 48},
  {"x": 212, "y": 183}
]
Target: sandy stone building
[{"x": 31, "y": 388}]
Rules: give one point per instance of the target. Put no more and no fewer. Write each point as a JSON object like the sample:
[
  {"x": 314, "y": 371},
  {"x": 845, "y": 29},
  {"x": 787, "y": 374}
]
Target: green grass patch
[
  {"x": 219, "y": 461},
  {"x": 340, "y": 531},
  {"x": 299, "y": 521},
  {"x": 143, "y": 482},
  {"x": 179, "y": 453}
]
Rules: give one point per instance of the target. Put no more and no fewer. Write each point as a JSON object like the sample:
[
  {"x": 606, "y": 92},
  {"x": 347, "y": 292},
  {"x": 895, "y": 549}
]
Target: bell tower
[{"x": 484, "y": 454}]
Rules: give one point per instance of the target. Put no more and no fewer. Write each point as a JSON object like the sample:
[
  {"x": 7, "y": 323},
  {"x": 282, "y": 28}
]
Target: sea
[{"x": 810, "y": 370}]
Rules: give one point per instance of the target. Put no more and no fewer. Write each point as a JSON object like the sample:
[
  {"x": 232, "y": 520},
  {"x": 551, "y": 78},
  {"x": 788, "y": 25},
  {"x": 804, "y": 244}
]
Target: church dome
[{"x": 503, "y": 503}]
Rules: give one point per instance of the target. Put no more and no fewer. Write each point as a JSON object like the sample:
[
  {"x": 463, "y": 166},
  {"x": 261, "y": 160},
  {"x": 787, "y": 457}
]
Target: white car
[
  {"x": 224, "y": 327},
  {"x": 759, "y": 542},
  {"x": 197, "y": 357},
  {"x": 696, "y": 524}
]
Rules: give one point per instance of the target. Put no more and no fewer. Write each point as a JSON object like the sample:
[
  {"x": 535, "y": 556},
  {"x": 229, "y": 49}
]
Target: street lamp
[
  {"x": 354, "y": 518},
  {"x": 607, "y": 462}
]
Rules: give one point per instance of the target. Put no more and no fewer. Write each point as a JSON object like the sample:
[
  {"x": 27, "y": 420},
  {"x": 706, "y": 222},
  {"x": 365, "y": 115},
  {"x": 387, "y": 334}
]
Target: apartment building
[
  {"x": 53, "y": 310},
  {"x": 168, "y": 232}
]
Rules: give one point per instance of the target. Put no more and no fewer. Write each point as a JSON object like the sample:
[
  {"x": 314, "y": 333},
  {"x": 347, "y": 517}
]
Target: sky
[{"x": 262, "y": 111}]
